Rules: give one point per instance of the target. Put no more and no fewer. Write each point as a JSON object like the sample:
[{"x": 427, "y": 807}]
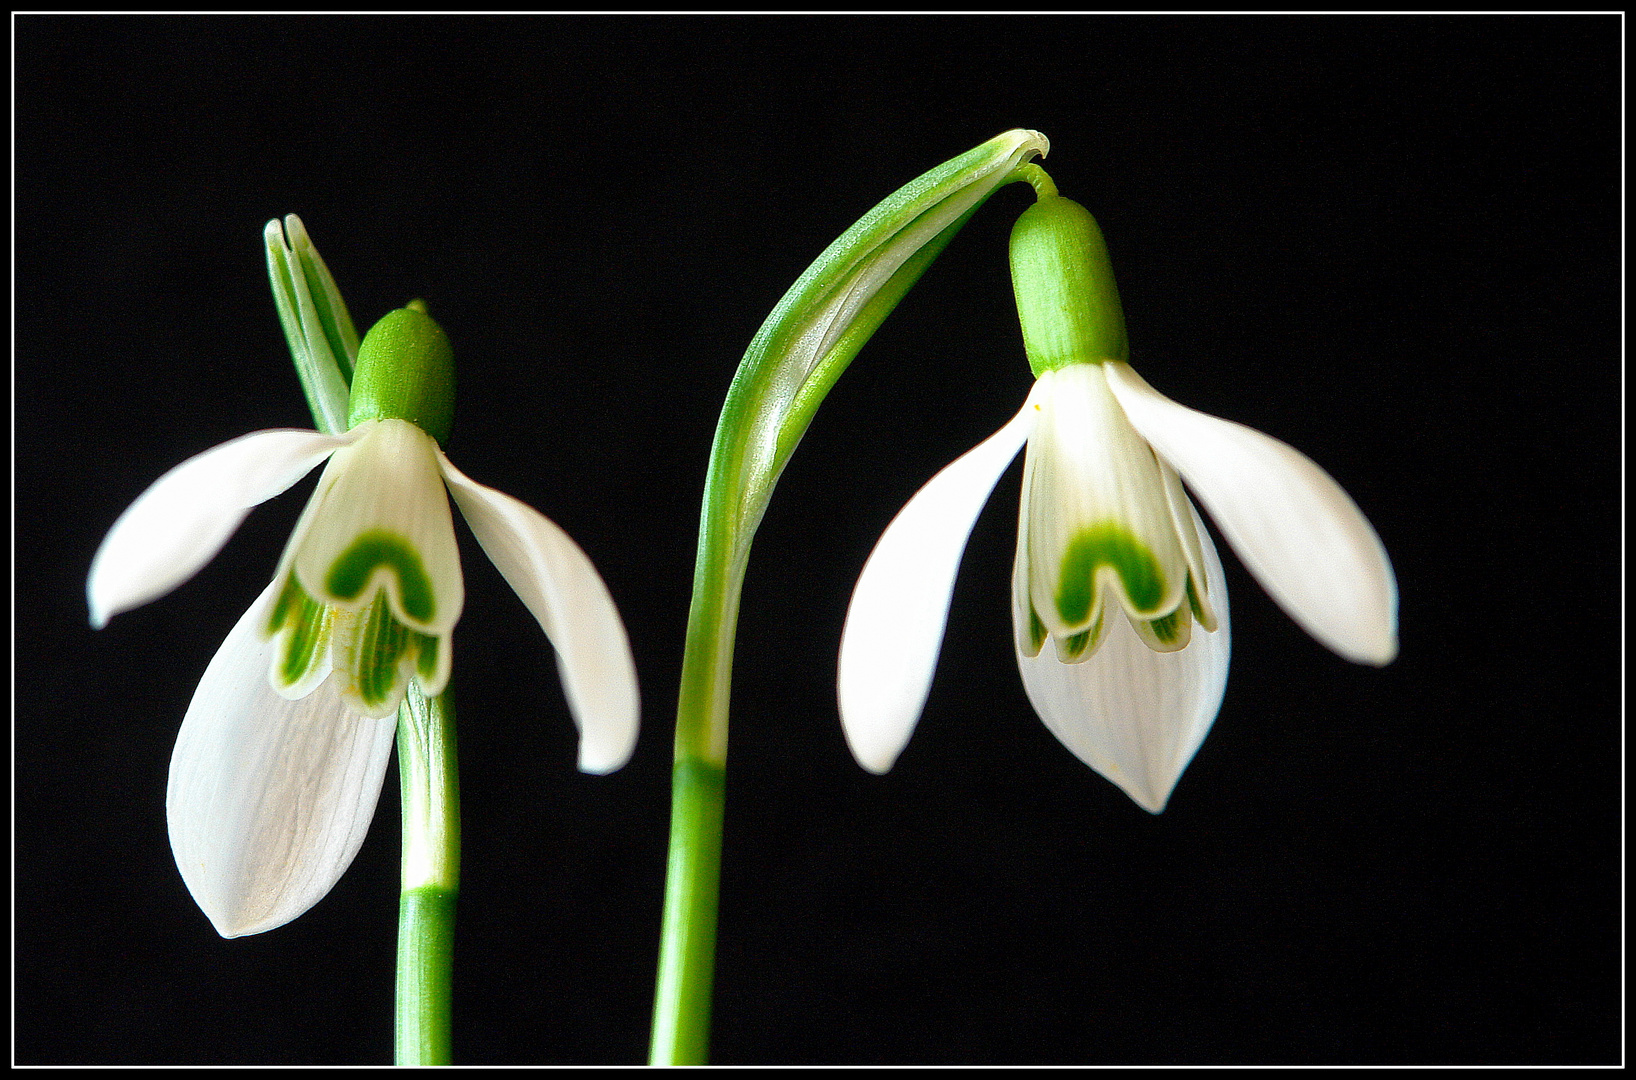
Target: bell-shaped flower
[
  {"x": 280, "y": 759},
  {"x": 1119, "y": 606}
]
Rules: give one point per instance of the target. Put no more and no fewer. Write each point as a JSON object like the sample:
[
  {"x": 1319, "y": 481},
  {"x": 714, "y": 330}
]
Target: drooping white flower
[
  {"x": 280, "y": 759},
  {"x": 1119, "y": 606}
]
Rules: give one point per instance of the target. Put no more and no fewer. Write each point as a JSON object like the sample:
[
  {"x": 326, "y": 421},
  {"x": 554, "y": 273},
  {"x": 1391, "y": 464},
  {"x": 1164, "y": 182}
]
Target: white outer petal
[
  {"x": 1302, "y": 537},
  {"x": 268, "y": 799},
  {"x": 178, "y": 524},
  {"x": 1134, "y": 715},
  {"x": 894, "y": 625},
  {"x": 557, "y": 582}
]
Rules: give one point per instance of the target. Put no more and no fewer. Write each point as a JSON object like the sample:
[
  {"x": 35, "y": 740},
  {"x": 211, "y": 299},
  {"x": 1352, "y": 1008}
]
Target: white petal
[
  {"x": 1134, "y": 715},
  {"x": 1302, "y": 537},
  {"x": 559, "y": 585},
  {"x": 269, "y": 799},
  {"x": 894, "y": 626},
  {"x": 386, "y": 488},
  {"x": 179, "y": 523}
]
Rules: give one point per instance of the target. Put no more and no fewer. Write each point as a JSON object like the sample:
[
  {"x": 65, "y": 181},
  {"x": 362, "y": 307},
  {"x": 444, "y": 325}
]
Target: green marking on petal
[
  {"x": 382, "y": 642},
  {"x": 1107, "y": 545},
  {"x": 1196, "y": 606},
  {"x": 426, "y": 665},
  {"x": 1075, "y": 644},
  {"x": 1036, "y": 632},
  {"x": 307, "y": 642},
  {"x": 289, "y": 600},
  {"x": 1077, "y": 648},
  {"x": 376, "y": 547},
  {"x": 306, "y": 624},
  {"x": 1167, "y": 629}
]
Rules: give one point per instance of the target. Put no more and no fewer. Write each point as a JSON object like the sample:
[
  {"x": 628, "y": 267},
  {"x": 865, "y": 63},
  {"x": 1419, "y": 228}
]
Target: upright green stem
[
  {"x": 431, "y": 878},
  {"x": 687, "y": 952},
  {"x": 410, "y": 376}
]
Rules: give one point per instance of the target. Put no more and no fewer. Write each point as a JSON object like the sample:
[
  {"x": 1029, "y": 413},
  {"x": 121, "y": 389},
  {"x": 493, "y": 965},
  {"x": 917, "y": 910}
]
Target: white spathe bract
[
  {"x": 1119, "y": 605},
  {"x": 279, "y": 763}
]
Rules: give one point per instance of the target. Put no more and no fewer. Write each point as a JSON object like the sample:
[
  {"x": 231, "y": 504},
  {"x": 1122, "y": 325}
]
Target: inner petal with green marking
[
  {"x": 301, "y": 628},
  {"x": 1107, "y": 545},
  {"x": 1096, "y": 510},
  {"x": 380, "y": 520},
  {"x": 376, "y": 548},
  {"x": 376, "y": 655}
]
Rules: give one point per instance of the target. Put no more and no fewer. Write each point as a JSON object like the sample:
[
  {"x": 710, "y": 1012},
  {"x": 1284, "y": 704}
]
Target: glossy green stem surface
[
  {"x": 687, "y": 959},
  {"x": 431, "y": 879}
]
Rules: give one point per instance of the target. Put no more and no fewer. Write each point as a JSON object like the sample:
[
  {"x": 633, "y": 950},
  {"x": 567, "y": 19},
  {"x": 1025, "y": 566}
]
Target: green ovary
[
  {"x": 1107, "y": 545},
  {"x": 356, "y": 566}
]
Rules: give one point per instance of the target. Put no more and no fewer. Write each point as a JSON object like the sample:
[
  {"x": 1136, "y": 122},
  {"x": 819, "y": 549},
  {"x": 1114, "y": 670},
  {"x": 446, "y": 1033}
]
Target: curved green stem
[
  {"x": 794, "y": 360},
  {"x": 431, "y": 879}
]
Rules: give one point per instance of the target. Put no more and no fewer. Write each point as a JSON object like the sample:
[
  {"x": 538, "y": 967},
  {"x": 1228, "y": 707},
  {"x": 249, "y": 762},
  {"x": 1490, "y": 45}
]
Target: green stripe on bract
[
  {"x": 352, "y": 571},
  {"x": 1107, "y": 545},
  {"x": 381, "y": 646},
  {"x": 328, "y": 320}
]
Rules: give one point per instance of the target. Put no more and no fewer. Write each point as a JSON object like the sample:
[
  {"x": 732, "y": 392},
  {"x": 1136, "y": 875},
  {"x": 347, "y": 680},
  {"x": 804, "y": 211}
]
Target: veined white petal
[
  {"x": 894, "y": 625},
  {"x": 1134, "y": 715},
  {"x": 558, "y": 584},
  {"x": 179, "y": 523},
  {"x": 1302, "y": 537},
  {"x": 1098, "y": 520},
  {"x": 380, "y": 520},
  {"x": 269, "y": 799}
]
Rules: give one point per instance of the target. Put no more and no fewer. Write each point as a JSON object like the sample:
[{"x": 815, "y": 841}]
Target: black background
[{"x": 1392, "y": 242}]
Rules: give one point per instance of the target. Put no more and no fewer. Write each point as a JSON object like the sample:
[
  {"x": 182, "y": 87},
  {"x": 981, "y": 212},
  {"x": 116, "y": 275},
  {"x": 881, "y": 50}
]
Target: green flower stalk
[
  {"x": 283, "y": 750},
  {"x": 793, "y": 361}
]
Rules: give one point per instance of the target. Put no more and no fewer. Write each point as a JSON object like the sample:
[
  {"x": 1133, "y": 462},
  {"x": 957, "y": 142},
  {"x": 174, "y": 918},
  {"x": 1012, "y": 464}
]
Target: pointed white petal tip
[
  {"x": 1291, "y": 524},
  {"x": 894, "y": 625},
  {"x": 268, "y": 799},
  {"x": 179, "y": 524},
  {"x": 561, "y": 588}
]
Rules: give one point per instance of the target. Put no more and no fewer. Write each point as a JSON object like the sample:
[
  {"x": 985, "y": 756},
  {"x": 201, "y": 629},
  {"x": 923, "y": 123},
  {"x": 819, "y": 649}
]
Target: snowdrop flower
[
  {"x": 279, "y": 762},
  {"x": 1119, "y": 606}
]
